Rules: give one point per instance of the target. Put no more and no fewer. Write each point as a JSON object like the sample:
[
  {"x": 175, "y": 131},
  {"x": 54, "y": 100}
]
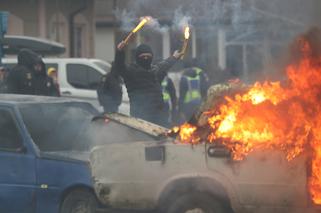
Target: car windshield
[
  {"x": 103, "y": 65},
  {"x": 59, "y": 126}
]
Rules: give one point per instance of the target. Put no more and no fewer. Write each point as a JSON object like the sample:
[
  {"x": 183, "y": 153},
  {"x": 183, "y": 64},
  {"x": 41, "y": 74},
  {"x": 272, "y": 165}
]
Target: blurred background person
[
  {"x": 170, "y": 100},
  {"x": 3, "y": 76},
  {"x": 53, "y": 74},
  {"x": 110, "y": 92},
  {"x": 192, "y": 89},
  {"x": 29, "y": 76}
]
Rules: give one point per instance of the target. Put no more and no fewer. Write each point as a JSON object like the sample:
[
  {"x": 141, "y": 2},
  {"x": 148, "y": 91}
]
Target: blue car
[{"x": 44, "y": 155}]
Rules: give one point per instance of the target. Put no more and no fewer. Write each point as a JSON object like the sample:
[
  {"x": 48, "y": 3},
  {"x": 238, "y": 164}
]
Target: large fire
[{"x": 282, "y": 116}]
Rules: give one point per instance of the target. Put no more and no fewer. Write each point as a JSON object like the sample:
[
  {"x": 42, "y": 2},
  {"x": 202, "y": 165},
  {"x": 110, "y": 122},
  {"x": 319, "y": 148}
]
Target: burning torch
[
  {"x": 137, "y": 28},
  {"x": 186, "y": 37}
]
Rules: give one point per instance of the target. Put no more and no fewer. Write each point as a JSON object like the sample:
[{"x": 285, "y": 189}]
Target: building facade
[
  {"x": 241, "y": 38},
  {"x": 70, "y": 22}
]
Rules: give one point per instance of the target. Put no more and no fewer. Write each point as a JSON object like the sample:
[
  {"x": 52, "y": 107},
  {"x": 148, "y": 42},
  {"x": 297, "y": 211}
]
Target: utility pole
[{"x": 3, "y": 30}]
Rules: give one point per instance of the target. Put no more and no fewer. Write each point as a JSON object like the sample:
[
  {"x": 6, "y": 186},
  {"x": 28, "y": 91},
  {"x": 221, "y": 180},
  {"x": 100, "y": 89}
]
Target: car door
[
  {"x": 17, "y": 173},
  {"x": 264, "y": 178}
]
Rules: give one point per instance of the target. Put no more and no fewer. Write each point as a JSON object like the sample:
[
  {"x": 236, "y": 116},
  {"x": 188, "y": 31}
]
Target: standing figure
[
  {"x": 143, "y": 82},
  {"x": 192, "y": 89},
  {"x": 53, "y": 74},
  {"x": 3, "y": 76},
  {"x": 109, "y": 91},
  {"x": 170, "y": 100},
  {"x": 29, "y": 76}
]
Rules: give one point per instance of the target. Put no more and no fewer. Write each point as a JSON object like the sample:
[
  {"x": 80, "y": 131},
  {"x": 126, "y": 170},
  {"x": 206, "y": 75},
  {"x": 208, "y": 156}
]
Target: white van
[{"x": 79, "y": 77}]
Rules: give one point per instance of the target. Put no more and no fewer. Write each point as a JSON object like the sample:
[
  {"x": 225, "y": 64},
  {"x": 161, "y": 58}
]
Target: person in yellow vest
[
  {"x": 192, "y": 89},
  {"x": 170, "y": 100},
  {"x": 53, "y": 74}
]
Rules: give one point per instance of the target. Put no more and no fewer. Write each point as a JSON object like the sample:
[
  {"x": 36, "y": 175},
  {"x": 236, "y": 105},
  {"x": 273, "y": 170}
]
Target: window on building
[
  {"x": 83, "y": 76},
  {"x": 234, "y": 60},
  {"x": 10, "y": 139},
  {"x": 78, "y": 41}
]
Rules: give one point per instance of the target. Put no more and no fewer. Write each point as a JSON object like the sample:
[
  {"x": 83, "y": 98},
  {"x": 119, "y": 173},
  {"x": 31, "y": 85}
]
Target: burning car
[
  {"x": 255, "y": 150},
  {"x": 161, "y": 173}
]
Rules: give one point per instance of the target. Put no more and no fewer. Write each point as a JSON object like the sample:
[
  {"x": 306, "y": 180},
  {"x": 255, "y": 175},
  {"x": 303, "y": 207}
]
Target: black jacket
[
  {"x": 110, "y": 91},
  {"x": 23, "y": 79},
  {"x": 144, "y": 86}
]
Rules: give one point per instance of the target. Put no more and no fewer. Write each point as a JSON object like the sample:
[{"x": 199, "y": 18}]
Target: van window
[{"x": 83, "y": 76}]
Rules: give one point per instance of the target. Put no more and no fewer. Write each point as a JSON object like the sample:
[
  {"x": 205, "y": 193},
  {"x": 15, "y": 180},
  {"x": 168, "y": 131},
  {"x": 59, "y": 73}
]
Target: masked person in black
[
  {"x": 109, "y": 91},
  {"x": 29, "y": 76},
  {"x": 143, "y": 82}
]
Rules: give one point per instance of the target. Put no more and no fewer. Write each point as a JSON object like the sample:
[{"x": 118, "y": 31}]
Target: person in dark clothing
[
  {"x": 143, "y": 82},
  {"x": 192, "y": 89},
  {"x": 46, "y": 85},
  {"x": 3, "y": 77},
  {"x": 109, "y": 91},
  {"x": 29, "y": 76},
  {"x": 170, "y": 100}
]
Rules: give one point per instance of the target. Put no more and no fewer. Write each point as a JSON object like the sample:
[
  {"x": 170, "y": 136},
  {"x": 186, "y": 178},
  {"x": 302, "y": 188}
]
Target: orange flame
[
  {"x": 187, "y": 134},
  {"x": 141, "y": 23},
  {"x": 271, "y": 115}
]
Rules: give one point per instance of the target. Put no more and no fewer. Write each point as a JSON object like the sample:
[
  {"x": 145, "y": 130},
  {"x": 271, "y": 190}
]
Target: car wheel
[
  {"x": 79, "y": 201},
  {"x": 196, "y": 203}
]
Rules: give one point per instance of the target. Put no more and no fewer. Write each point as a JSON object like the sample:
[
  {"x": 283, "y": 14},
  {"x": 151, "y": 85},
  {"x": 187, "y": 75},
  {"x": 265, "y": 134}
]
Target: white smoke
[
  {"x": 126, "y": 19},
  {"x": 181, "y": 20}
]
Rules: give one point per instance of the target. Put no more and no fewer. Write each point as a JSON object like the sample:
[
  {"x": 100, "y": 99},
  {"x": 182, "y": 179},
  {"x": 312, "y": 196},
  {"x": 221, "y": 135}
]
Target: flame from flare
[
  {"x": 269, "y": 115},
  {"x": 141, "y": 23},
  {"x": 186, "y": 32}
]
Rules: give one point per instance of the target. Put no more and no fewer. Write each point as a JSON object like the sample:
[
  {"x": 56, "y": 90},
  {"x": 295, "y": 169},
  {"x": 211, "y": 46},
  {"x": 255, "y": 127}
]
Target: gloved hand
[{"x": 177, "y": 54}]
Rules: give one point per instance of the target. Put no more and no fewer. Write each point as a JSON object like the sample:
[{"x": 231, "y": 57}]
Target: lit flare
[
  {"x": 186, "y": 38},
  {"x": 143, "y": 21}
]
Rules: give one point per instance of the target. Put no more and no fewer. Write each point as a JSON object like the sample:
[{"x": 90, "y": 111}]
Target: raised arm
[
  {"x": 119, "y": 65},
  {"x": 162, "y": 67}
]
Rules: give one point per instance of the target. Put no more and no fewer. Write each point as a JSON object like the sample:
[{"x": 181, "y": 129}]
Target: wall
[{"x": 105, "y": 44}]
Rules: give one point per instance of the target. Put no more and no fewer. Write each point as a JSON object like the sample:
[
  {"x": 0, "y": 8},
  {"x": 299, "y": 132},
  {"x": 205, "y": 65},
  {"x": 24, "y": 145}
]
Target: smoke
[
  {"x": 126, "y": 19},
  {"x": 264, "y": 28},
  {"x": 154, "y": 25},
  {"x": 181, "y": 20}
]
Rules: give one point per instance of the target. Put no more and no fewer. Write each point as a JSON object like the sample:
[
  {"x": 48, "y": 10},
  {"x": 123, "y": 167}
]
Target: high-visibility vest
[
  {"x": 193, "y": 93},
  {"x": 166, "y": 95},
  {"x": 198, "y": 70}
]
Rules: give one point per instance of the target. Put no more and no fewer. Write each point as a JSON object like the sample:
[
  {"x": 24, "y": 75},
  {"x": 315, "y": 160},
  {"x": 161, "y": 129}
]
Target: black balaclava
[{"x": 144, "y": 62}]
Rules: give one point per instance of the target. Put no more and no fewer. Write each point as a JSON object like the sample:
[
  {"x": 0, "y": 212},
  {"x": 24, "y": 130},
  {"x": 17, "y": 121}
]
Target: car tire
[
  {"x": 199, "y": 202},
  {"x": 79, "y": 201}
]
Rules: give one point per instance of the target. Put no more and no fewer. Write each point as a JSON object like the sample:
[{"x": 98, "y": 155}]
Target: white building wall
[{"x": 105, "y": 43}]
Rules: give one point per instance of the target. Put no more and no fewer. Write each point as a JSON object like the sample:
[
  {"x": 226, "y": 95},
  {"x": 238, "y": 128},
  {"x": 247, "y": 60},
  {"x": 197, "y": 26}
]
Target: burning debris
[{"x": 283, "y": 116}]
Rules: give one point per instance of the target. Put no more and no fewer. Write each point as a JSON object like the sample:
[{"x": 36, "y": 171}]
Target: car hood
[{"x": 67, "y": 155}]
